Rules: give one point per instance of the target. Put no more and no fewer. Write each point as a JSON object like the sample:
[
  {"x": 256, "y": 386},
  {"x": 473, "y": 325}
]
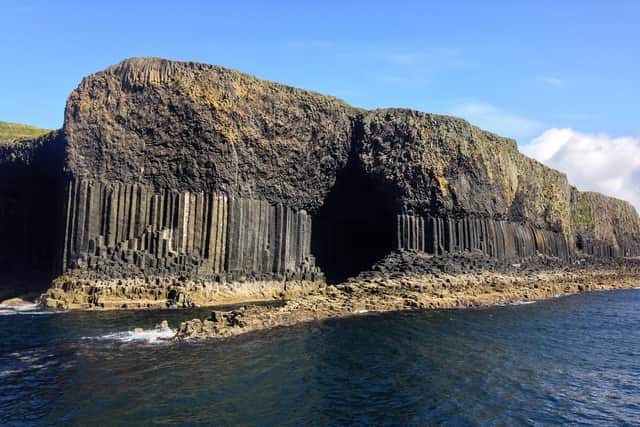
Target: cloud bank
[{"x": 592, "y": 162}]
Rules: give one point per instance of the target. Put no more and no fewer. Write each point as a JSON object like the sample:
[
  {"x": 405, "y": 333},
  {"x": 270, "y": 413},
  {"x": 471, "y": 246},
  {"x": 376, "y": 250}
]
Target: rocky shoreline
[
  {"x": 69, "y": 292},
  {"x": 423, "y": 285},
  {"x": 404, "y": 280}
]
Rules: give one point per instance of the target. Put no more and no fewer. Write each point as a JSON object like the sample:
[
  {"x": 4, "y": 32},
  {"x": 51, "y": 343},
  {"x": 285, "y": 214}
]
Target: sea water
[{"x": 568, "y": 360}]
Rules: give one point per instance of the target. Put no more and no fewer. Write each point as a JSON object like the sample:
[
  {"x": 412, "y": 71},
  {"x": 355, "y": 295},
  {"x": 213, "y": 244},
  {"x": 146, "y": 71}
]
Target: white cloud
[
  {"x": 497, "y": 120},
  {"x": 592, "y": 162}
]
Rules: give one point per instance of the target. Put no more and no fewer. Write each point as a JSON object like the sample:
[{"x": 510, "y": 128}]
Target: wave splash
[
  {"x": 523, "y": 302},
  {"x": 159, "y": 334},
  {"x": 26, "y": 308}
]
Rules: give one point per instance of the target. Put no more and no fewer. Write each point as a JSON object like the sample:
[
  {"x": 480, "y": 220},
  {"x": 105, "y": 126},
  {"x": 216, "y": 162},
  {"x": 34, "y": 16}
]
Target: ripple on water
[{"x": 563, "y": 361}]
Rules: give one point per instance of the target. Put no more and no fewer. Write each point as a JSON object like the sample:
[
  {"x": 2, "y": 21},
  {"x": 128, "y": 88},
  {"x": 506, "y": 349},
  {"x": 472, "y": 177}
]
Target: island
[{"x": 179, "y": 184}]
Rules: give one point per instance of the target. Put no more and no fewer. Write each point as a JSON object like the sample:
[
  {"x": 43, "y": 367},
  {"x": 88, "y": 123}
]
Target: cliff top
[
  {"x": 610, "y": 199},
  {"x": 15, "y": 132},
  {"x": 153, "y": 71},
  {"x": 595, "y": 210},
  {"x": 140, "y": 72}
]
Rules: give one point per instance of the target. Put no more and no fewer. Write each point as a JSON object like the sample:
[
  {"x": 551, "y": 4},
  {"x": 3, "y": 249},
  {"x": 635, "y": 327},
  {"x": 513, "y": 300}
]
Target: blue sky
[
  {"x": 514, "y": 68},
  {"x": 555, "y": 64}
]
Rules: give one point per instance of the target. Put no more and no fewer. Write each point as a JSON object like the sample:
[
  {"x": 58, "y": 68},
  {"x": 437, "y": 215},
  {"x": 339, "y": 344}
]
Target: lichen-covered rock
[
  {"x": 194, "y": 127},
  {"x": 605, "y": 226},
  {"x": 69, "y": 291},
  {"x": 442, "y": 164},
  {"x": 421, "y": 287}
]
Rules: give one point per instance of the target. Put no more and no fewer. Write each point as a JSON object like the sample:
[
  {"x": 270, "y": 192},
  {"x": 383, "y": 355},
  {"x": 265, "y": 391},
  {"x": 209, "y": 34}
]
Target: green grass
[
  {"x": 14, "y": 132},
  {"x": 583, "y": 212}
]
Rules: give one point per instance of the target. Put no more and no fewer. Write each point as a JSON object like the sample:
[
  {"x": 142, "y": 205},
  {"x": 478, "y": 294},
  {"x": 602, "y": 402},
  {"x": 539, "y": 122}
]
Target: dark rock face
[
  {"x": 497, "y": 238},
  {"x": 30, "y": 203},
  {"x": 457, "y": 188},
  {"x": 605, "y": 226},
  {"x": 442, "y": 165},
  {"x": 131, "y": 230},
  {"x": 183, "y": 126},
  {"x": 185, "y": 169}
]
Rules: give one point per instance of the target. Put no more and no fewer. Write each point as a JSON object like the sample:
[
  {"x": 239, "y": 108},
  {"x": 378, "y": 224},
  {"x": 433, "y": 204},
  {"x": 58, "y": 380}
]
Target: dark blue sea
[{"x": 571, "y": 360}]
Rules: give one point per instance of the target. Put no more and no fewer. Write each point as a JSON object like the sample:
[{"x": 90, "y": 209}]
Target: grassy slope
[{"x": 12, "y": 132}]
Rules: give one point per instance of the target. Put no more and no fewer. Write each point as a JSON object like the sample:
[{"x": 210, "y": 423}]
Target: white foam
[
  {"x": 150, "y": 336},
  {"x": 522, "y": 302},
  {"x": 9, "y": 312},
  {"x": 26, "y": 307},
  {"x": 6, "y": 310}
]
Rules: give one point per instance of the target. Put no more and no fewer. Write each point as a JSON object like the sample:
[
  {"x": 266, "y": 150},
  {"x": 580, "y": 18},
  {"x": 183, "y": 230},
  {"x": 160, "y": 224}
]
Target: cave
[
  {"x": 28, "y": 224},
  {"x": 354, "y": 227},
  {"x": 30, "y": 216}
]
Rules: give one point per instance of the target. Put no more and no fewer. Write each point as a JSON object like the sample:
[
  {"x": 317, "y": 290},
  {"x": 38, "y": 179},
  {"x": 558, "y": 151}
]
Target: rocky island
[{"x": 179, "y": 184}]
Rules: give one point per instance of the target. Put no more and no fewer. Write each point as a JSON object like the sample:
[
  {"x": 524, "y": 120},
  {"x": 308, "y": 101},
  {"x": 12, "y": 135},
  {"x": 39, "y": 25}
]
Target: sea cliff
[{"x": 175, "y": 184}]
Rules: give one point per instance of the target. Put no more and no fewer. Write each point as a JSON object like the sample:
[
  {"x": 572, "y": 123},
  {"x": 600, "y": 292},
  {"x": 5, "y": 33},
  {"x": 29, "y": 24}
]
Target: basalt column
[
  {"x": 496, "y": 238},
  {"x": 119, "y": 230}
]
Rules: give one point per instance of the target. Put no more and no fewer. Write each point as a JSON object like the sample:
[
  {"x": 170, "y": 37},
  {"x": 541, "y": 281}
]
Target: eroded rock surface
[
  {"x": 605, "y": 226},
  {"x": 69, "y": 292},
  {"x": 191, "y": 169},
  {"x": 410, "y": 281},
  {"x": 194, "y": 127},
  {"x": 177, "y": 171}
]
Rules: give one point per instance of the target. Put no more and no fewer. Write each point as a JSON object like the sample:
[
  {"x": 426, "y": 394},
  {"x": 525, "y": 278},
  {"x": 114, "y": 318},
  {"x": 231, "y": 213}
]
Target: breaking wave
[
  {"x": 523, "y": 302},
  {"x": 149, "y": 336},
  {"x": 30, "y": 308}
]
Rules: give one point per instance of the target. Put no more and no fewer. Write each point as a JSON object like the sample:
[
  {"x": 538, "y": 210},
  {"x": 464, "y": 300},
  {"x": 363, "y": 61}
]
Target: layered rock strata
[{"x": 70, "y": 292}]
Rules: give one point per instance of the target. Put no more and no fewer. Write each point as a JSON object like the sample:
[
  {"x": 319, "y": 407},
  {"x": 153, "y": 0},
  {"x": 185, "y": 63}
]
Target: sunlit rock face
[{"x": 605, "y": 226}]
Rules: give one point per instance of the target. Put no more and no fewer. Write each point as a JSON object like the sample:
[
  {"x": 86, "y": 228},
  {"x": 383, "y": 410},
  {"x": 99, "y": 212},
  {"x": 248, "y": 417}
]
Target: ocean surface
[{"x": 571, "y": 360}]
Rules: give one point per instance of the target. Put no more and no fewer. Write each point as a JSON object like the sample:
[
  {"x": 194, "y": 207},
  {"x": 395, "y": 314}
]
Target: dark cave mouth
[{"x": 354, "y": 227}]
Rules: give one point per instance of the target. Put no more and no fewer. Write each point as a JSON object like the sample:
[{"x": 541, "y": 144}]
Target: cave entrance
[{"x": 354, "y": 227}]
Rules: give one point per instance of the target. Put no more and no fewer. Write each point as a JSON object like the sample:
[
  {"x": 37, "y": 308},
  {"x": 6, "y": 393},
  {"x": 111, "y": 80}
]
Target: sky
[{"x": 562, "y": 78}]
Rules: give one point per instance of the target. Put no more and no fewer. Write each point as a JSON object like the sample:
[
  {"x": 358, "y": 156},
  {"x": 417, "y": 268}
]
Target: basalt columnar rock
[
  {"x": 605, "y": 226},
  {"x": 211, "y": 176}
]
